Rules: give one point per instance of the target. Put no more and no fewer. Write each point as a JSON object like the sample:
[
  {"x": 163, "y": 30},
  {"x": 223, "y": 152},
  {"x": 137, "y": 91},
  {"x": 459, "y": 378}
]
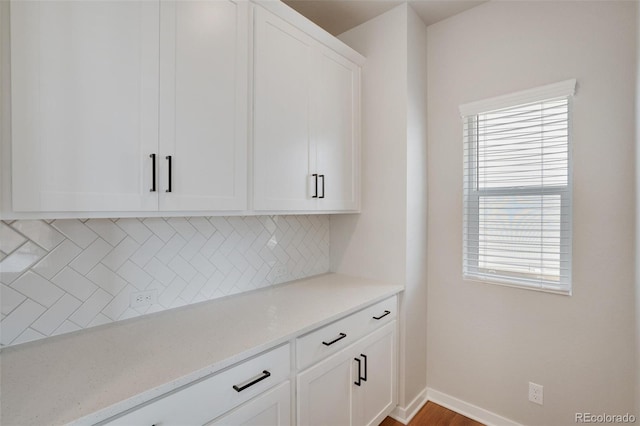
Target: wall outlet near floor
[
  {"x": 143, "y": 298},
  {"x": 535, "y": 393}
]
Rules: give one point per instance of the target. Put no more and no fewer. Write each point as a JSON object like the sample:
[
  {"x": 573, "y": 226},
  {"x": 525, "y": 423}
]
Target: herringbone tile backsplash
[{"x": 64, "y": 275}]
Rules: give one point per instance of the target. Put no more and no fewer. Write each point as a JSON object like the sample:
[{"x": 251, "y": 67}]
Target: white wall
[
  {"x": 387, "y": 241},
  {"x": 486, "y": 342},
  {"x": 637, "y": 164},
  {"x": 372, "y": 244},
  {"x": 415, "y": 295}
]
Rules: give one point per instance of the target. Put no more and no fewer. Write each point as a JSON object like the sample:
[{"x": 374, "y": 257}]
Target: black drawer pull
[
  {"x": 264, "y": 375},
  {"x": 315, "y": 175},
  {"x": 364, "y": 378},
  {"x": 342, "y": 336},
  {"x": 382, "y": 316},
  {"x": 359, "y": 382},
  {"x": 168, "y": 158},
  {"x": 153, "y": 172},
  {"x": 322, "y": 196}
]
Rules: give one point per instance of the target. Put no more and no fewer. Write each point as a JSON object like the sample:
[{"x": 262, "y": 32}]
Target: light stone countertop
[{"x": 93, "y": 374}]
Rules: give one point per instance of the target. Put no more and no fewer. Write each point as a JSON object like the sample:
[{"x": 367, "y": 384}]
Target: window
[{"x": 517, "y": 189}]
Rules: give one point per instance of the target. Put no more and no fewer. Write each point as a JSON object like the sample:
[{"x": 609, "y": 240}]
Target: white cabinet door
[
  {"x": 283, "y": 155},
  {"x": 335, "y": 115},
  {"x": 272, "y": 408},
  {"x": 377, "y": 395},
  {"x": 356, "y": 386},
  {"x": 325, "y": 391},
  {"x": 203, "y": 108},
  {"x": 84, "y": 100}
]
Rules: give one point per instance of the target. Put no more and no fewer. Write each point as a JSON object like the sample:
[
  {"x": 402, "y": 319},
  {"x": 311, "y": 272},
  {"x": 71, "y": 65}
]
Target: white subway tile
[
  {"x": 182, "y": 226},
  {"x": 119, "y": 304},
  {"x": 28, "y": 335},
  {"x": 159, "y": 227},
  {"x": 182, "y": 268},
  {"x": 171, "y": 249},
  {"x": 203, "y": 226},
  {"x": 134, "y": 275},
  {"x": 91, "y": 308},
  {"x": 66, "y": 327},
  {"x": 193, "y": 247},
  {"x": 74, "y": 283},
  {"x": 9, "y": 299},
  {"x": 202, "y": 265},
  {"x": 39, "y": 232},
  {"x": 106, "y": 279},
  {"x": 37, "y": 288},
  {"x": 76, "y": 231},
  {"x": 120, "y": 254},
  {"x": 9, "y": 239},
  {"x": 57, "y": 259},
  {"x": 18, "y": 320},
  {"x": 160, "y": 271},
  {"x": 108, "y": 230},
  {"x": 56, "y": 315},
  {"x": 145, "y": 253},
  {"x": 91, "y": 256},
  {"x": 99, "y": 320},
  {"x": 19, "y": 261},
  {"x": 135, "y": 229}
]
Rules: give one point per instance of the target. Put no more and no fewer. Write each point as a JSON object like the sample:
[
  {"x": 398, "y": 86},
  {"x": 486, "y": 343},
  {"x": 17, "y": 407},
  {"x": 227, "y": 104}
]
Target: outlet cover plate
[
  {"x": 143, "y": 298},
  {"x": 536, "y": 393}
]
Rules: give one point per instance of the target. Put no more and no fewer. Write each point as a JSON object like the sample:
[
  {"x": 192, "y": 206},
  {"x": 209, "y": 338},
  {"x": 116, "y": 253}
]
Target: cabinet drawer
[
  {"x": 198, "y": 403},
  {"x": 324, "y": 341},
  {"x": 272, "y": 408}
]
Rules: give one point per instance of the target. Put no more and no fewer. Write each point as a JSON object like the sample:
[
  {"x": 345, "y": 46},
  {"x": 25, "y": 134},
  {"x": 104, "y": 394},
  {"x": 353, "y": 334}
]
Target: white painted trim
[
  {"x": 294, "y": 18},
  {"x": 404, "y": 415},
  {"x": 469, "y": 410},
  {"x": 555, "y": 90}
]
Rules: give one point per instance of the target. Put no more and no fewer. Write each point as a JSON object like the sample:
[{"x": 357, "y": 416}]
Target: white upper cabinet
[
  {"x": 306, "y": 121},
  {"x": 120, "y": 107},
  {"x": 203, "y": 105},
  {"x": 334, "y": 131},
  {"x": 282, "y": 78},
  {"x": 106, "y": 95},
  {"x": 84, "y": 105}
]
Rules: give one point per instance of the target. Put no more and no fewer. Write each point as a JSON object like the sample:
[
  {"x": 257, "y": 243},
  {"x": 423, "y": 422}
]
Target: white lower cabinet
[
  {"x": 273, "y": 408},
  {"x": 356, "y": 386},
  {"x": 345, "y": 374},
  {"x": 209, "y": 398}
]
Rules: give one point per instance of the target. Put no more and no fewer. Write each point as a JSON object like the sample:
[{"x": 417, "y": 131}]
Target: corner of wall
[
  {"x": 637, "y": 165},
  {"x": 5, "y": 123}
]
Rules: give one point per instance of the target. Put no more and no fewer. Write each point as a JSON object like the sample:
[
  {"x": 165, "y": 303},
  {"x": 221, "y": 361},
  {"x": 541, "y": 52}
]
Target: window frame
[{"x": 472, "y": 194}]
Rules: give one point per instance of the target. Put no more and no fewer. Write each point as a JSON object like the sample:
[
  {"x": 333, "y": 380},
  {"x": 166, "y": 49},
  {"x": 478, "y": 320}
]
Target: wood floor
[{"x": 434, "y": 414}]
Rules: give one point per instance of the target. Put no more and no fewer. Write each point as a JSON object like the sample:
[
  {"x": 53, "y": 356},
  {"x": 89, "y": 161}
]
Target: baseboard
[
  {"x": 404, "y": 415},
  {"x": 472, "y": 411}
]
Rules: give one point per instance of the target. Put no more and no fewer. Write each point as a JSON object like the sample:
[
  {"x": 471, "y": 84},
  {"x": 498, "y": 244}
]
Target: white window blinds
[{"x": 517, "y": 189}]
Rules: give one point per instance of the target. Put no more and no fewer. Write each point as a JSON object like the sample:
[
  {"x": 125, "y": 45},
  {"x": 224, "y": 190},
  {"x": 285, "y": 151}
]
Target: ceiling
[{"x": 338, "y": 16}]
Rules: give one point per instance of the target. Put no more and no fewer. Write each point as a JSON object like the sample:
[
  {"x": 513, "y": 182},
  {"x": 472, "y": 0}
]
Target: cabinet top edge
[{"x": 303, "y": 23}]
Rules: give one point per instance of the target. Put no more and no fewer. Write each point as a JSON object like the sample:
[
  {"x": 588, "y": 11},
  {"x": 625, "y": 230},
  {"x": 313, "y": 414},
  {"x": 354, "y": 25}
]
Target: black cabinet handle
[
  {"x": 240, "y": 388},
  {"x": 153, "y": 172},
  {"x": 364, "y": 378},
  {"x": 382, "y": 316},
  {"x": 315, "y": 175},
  {"x": 358, "y": 383},
  {"x": 322, "y": 176},
  {"x": 168, "y": 157},
  {"x": 342, "y": 336}
]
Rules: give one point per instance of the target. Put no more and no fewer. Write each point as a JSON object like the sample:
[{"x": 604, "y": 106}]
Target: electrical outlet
[
  {"x": 279, "y": 271},
  {"x": 535, "y": 393},
  {"x": 143, "y": 298}
]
